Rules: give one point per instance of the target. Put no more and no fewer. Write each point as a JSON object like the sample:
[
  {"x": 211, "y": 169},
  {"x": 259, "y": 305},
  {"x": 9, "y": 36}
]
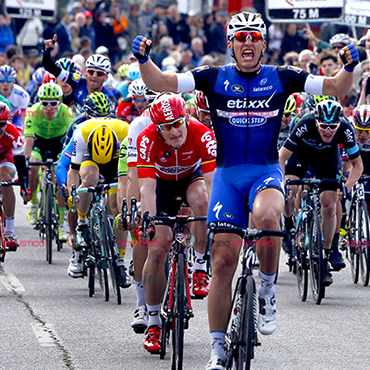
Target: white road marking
[
  {"x": 11, "y": 282},
  {"x": 43, "y": 334}
]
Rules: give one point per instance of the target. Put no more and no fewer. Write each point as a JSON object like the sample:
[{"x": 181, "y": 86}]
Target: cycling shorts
[
  {"x": 47, "y": 148},
  {"x": 236, "y": 187}
]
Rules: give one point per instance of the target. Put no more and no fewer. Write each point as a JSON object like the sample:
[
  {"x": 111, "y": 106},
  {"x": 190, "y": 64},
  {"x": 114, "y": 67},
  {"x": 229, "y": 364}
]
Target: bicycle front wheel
[
  {"x": 48, "y": 206},
  {"x": 300, "y": 254},
  {"x": 179, "y": 317},
  {"x": 364, "y": 223},
  {"x": 354, "y": 236},
  {"x": 316, "y": 249}
]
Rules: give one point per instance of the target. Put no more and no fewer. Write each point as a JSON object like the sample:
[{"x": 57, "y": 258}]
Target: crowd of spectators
[{"x": 180, "y": 41}]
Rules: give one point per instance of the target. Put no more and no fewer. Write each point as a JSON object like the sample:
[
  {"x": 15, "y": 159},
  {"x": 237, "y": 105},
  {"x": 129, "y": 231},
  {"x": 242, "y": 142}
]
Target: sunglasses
[
  {"x": 139, "y": 98},
  {"x": 286, "y": 115},
  {"x": 52, "y": 103},
  {"x": 242, "y": 36},
  {"x": 365, "y": 130},
  {"x": 337, "y": 47},
  {"x": 2, "y": 123},
  {"x": 169, "y": 126},
  {"x": 91, "y": 72},
  {"x": 9, "y": 80},
  {"x": 331, "y": 126}
]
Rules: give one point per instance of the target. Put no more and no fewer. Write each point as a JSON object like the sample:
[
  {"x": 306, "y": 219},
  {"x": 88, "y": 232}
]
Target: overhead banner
[
  {"x": 357, "y": 12},
  {"x": 44, "y": 9},
  {"x": 304, "y": 10}
]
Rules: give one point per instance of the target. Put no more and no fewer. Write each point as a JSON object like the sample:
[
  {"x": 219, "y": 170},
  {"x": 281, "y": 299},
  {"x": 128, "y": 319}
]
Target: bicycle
[
  {"x": 101, "y": 252},
  {"x": 176, "y": 308},
  {"x": 358, "y": 233},
  {"x": 48, "y": 219},
  {"x": 241, "y": 336},
  {"x": 3, "y": 248},
  {"x": 308, "y": 249}
]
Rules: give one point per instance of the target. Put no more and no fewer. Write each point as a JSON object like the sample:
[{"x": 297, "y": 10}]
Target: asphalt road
[{"x": 48, "y": 321}]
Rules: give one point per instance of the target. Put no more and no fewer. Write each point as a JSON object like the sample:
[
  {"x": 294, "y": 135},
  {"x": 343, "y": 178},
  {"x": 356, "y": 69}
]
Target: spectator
[
  {"x": 85, "y": 42},
  {"x": 198, "y": 52},
  {"x": 90, "y": 5},
  {"x": 76, "y": 8},
  {"x": 177, "y": 27},
  {"x": 160, "y": 31},
  {"x": 208, "y": 60},
  {"x": 86, "y": 53},
  {"x": 30, "y": 35},
  {"x": 306, "y": 57},
  {"x": 147, "y": 15},
  {"x": 64, "y": 36},
  {"x": 80, "y": 19},
  {"x": 196, "y": 28},
  {"x": 158, "y": 18},
  {"x": 292, "y": 41},
  {"x": 3, "y": 58},
  {"x": 23, "y": 72},
  {"x": 218, "y": 36},
  {"x": 135, "y": 25},
  {"x": 76, "y": 41},
  {"x": 338, "y": 42},
  {"x": 50, "y": 28},
  {"x": 328, "y": 63},
  {"x": 88, "y": 29},
  {"x": 165, "y": 47},
  {"x": 186, "y": 65},
  {"x": 207, "y": 23},
  {"x": 291, "y": 59},
  {"x": 6, "y": 35}
]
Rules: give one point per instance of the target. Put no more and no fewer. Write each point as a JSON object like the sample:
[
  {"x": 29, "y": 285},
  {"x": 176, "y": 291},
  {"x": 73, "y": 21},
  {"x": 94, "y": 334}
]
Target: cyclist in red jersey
[
  {"x": 176, "y": 158},
  {"x": 11, "y": 160}
]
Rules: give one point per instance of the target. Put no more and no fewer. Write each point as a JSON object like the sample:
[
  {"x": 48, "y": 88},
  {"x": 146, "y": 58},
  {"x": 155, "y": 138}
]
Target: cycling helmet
[
  {"x": 50, "y": 91},
  {"x": 133, "y": 72},
  {"x": 328, "y": 111},
  {"x": 340, "y": 38},
  {"x": 48, "y": 77},
  {"x": 97, "y": 104},
  {"x": 150, "y": 95},
  {"x": 4, "y": 112},
  {"x": 245, "y": 21},
  {"x": 361, "y": 116},
  {"x": 102, "y": 144},
  {"x": 67, "y": 64},
  {"x": 298, "y": 99},
  {"x": 137, "y": 88},
  {"x": 7, "y": 72},
  {"x": 38, "y": 76},
  {"x": 122, "y": 70},
  {"x": 98, "y": 61},
  {"x": 201, "y": 102},
  {"x": 290, "y": 105},
  {"x": 312, "y": 100},
  {"x": 167, "y": 107}
]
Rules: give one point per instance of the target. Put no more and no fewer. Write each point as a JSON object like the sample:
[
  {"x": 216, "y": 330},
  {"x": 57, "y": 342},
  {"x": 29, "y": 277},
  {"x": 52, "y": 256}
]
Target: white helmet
[
  {"x": 340, "y": 38},
  {"x": 245, "y": 21},
  {"x": 137, "y": 88},
  {"x": 98, "y": 61}
]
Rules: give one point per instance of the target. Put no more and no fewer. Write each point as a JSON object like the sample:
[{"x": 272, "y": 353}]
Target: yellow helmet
[{"x": 102, "y": 144}]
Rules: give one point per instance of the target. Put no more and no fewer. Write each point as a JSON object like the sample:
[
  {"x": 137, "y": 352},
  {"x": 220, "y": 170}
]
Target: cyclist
[
  {"x": 288, "y": 120},
  {"x": 17, "y": 96},
  {"x": 202, "y": 109},
  {"x": 128, "y": 74},
  {"x": 315, "y": 141},
  {"x": 97, "y": 69},
  {"x": 95, "y": 153},
  {"x": 176, "y": 159},
  {"x": 11, "y": 160},
  {"x": 245, "y": 102},
  {"x": 46, "y": 125},
  {"x": 134, "y": 105}
]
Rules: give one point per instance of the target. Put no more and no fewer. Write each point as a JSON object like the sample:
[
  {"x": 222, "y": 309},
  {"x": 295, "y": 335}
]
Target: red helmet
[
  {"x": 167, "y": 107},
  {"x": 48, "y": 77},
  {"x": 298, "y": 99},
  {"x": 4, "y": 112},
  {"x": 201, "y": 101}
]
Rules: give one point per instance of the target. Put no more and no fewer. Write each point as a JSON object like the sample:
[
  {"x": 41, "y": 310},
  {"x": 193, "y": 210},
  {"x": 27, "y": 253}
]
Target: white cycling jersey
[{"x": 19, "y": 100}]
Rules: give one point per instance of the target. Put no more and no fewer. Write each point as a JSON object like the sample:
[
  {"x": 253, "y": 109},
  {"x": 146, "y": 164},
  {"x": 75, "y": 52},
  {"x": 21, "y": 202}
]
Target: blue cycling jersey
[{"x": 247, "y": 109}]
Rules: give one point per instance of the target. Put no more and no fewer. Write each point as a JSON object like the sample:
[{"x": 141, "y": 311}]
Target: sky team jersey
[
  {"x": 247, "y": 109},
  {"x": 19, "y": 100},
  {"x": 306, "y": 132},
  {"x": 136, "y": 126},
  {"x": 37, "y": 124},
  {"x": 158, "y": 159},
  {"x": 81, "y": 135},
  {"x": 11, "y": 141}
]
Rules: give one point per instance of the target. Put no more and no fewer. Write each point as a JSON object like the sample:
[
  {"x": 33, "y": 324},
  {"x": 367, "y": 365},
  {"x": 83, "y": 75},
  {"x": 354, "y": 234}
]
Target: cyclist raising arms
[{"x": 246, "y": 103}]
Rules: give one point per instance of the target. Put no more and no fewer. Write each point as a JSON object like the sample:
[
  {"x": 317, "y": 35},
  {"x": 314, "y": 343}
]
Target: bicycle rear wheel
[
  {"x": 364, "y": 257},
  {"x": 179, "y": 317},
  {"x": 300, "y": 256},
  {"x": 354, "y": 237},
  {"x": 109, "y": 245},
  {"x": 49, "y": 222},
  {"x": 316, "y": 259}
]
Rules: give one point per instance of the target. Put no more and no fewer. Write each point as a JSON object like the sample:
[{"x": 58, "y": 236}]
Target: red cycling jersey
[
  {"x": 157, "y": 158},
  {"x": 11, "y": 141}
]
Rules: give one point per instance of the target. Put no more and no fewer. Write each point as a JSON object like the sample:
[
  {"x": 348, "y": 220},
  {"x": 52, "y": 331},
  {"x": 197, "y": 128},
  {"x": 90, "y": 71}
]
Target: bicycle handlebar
[
  {"x": 21, "y": 184},
  {"x": 98, "y": 189},
  {"x": 48, "y": 163}
]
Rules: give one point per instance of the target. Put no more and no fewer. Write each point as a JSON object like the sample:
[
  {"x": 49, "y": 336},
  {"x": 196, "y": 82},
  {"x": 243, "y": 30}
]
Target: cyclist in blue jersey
[
  {"x": 246, "y": 101},
  {"x": 97, "y": 69}
]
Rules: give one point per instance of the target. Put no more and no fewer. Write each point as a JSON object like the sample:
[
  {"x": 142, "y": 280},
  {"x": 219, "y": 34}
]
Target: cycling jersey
[
  {"x": 136, "y": 126},
  {"x": 122, "y": 163},
  {"x": 127, "y": 110},
  {"x": 81, "y": 137},
  {"x": 72, "y": 127},
  {"x": 38, "y": 124},
  {"x": 19, "y": 100},
  {"x": 158, "y": 159},
  {"x": 11, "y": 141}
]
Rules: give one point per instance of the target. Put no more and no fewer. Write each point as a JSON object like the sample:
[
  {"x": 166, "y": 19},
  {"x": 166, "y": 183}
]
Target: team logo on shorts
[
  {"x": 228, "y": 215},
  {"x": 237, "y": 89}
]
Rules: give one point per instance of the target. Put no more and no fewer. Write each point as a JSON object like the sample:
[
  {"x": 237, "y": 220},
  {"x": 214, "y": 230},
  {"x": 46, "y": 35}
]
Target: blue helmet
[{"x": 7, "y": 72}]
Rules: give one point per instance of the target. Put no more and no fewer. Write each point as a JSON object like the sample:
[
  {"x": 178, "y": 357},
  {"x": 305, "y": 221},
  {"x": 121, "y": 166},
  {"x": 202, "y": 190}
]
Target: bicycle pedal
[{"x": 37, "y": 226}]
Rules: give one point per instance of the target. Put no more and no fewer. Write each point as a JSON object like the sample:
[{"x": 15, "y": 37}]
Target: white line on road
[
  {"x": 44, "y": 334},
  {"x": 11, "y": 283}
]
